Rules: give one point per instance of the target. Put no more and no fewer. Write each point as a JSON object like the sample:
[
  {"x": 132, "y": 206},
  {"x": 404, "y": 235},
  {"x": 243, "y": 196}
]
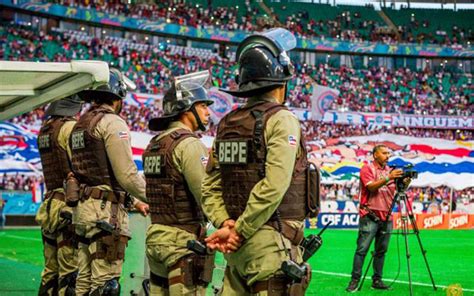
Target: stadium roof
[{"x": 25, "y": 86}]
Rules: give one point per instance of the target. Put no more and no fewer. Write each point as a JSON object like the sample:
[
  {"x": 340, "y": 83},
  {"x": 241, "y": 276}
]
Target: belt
[
  {"x": 294, "y": 235},
  {"x": 49, "y": 241},
  {"x": 278, "y": 283},
  {"x": 95, "y": 193},
  {"x": 55, "y": 195},
  {"x": 198, "y": 229},
  {"x": 159, "y": 281},
  {"x": 88, "y": 241}
]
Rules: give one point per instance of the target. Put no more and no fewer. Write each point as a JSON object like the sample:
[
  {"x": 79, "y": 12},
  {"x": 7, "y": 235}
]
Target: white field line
[
  {"x": 386, "y": 280},
  {"x": 22, "y": 237},
  {"x": 315, "y": 271}
]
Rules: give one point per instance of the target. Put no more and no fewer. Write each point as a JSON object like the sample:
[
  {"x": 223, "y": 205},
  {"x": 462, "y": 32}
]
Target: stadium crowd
[
  {"x": 376, "y": 89},
  {"x": 228, "y": 18},
  {"x": 20, "y": 182},
  {"x": 347, "y": 24},
  {"x": 350, "y": 191},
  {"x": 319, "y": 131}
]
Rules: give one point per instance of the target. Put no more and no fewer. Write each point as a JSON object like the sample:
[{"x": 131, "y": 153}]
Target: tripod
[{"x": 407, "y": 217}]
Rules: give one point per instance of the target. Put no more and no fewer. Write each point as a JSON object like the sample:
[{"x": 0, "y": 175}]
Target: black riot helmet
[
  {"x": 68, "y": 106},
  {"x": 263, "y": 62},
  {"x": 115, "y": 89},
  {"x": 185, "y": 92}
]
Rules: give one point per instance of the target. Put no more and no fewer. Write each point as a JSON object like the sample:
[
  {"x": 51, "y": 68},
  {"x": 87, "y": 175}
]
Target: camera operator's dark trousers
[{"x": 368, "y": 230}]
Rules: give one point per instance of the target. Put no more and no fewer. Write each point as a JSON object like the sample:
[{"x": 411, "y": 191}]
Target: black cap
[
  {"x": 68, "y": 106},
  {"x": 115, "y": 89}
]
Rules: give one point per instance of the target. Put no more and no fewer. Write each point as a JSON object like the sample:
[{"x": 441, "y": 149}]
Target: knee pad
[
  {"x": 69, "y": 281},
  {"x": 52, "y": 285},
  {"x": 111, "y": 288}
]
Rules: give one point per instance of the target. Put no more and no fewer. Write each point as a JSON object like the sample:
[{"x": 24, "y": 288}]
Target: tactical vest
[
  {"x": 170, "y": 200},
  {"x": 54, "y": 158},
  {"x": 241, "y": 150},
  {"x": 90, "y": 163}
]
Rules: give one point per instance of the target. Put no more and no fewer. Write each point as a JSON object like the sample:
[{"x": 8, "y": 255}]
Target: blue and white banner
[
  {"x": 439, "y": 162},
  {"x": 223, "y": 104},
  {"x": 18, "y": 150},
  {"x": 401, "y": 120}
]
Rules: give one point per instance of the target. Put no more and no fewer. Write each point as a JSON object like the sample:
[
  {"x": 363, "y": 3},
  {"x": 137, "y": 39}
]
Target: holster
[
  {"x": 281, "y": 285},
  {"x": 195, "y": 270},
  {"x": 186, "y": 264},
  {"x": 299, "y": 289},
  {"x": 111, "y": 247},
  {"x": 204, "y": 264},
  {"x": 204, "y": 267}
]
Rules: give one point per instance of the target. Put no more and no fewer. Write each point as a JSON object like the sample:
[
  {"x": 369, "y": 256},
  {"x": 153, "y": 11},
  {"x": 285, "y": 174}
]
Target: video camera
[{"x": 408, "y": 172}]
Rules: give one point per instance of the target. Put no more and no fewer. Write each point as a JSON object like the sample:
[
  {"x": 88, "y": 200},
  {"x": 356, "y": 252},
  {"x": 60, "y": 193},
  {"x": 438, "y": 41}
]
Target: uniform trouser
[
  {"x": 165, "y": 246},
  {"x": 58, "y": 263},
  {"x": 94, "y": 273},
  {"x": 258, "y": 259},
  {"x": 368, "y": 230}
]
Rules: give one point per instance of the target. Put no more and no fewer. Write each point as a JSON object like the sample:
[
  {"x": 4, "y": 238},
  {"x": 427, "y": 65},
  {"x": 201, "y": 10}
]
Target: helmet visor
[
  {"x": 194, "y": 83},
  {"x": 283, "y": 39}
]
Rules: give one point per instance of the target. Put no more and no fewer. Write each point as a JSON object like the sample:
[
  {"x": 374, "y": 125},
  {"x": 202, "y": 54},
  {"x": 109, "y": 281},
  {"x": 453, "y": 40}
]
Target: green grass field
[{"x": 450, "y": 254}]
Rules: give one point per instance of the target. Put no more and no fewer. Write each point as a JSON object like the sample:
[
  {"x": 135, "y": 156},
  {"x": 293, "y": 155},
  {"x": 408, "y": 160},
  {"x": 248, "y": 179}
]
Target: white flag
[{"x": 321, "y": 100}]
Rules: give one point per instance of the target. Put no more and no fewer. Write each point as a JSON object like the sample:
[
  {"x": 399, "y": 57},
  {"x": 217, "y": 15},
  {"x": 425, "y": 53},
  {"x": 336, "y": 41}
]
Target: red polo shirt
[{"x": 380, "y": 200}]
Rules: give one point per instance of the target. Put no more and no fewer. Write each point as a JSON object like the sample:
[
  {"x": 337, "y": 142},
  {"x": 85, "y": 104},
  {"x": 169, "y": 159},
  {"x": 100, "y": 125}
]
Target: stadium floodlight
[{"x": 25, "y": 86}]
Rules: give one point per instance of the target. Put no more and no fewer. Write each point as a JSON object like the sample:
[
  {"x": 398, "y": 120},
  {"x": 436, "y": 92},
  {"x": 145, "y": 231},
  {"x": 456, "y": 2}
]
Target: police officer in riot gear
[
  {"x": 59, "y": 247},
  {"x": 109, "y": 183},
  {"x": 174, "y": 165},
  {"x": 264, "y": 64},
  {"x": 183, "y": 96},
  {"x": 251, "y": 193}
]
